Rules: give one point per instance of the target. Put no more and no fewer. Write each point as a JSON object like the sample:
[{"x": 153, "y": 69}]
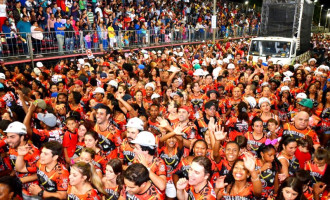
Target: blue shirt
[
  {"x": 58, "y": 25},
  {"x": 6, "y": 29},
  {"x": 24, "y": 27}
]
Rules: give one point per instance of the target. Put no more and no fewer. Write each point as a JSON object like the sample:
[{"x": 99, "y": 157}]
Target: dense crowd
[
  {"x": 190, "y": 122},
  {"x": 101, "y": 25}
]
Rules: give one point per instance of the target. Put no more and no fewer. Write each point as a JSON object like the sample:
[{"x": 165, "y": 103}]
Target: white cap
[
  {"x": 155, "y": 96},
  {"x": 285, "y": 88},
  {"x": 16, "y": 127},
  {"x": 216, "y": 72},
  {"x": 98, "y": 90},
  {"x": 231, "y": 66},
  {"x": 146, "y": 56},
  {"x": 286, "y": 79},
  {"x": 37, "y": 71},
  {"x": 252, "y": 101},
  {"x": 173, "y": 69},
  {"x": 308, "y": 69},
  {"x": 310, "y": 60},
  {"x": 296, "y": 66},
  {"x": 263, "y": 100},
  {"x": 220, "y": 62},
  {"x": 229, "y": 57},
  {"x": 264, "y": 83},
  {"x": 205, "y": 73},
  {"x": 113, "y": 83},
  {"x": 144, "y": 51},
  {"x": 279, "y": 63},
  {"x": 135, "y": 122},
  {"x": 324, "y": 67},
  {"x": 204, "y": 63},
  {"x": 226, "y": 60},
  {"x": 154, "y": 52},
  {"x": 81, "y": 61},
  {"x": 39, "y": 64},
  {"x": 145, "y": 138},
  {"x": 213, "y": 62},
  {"x": 180, "y": 54},
  {"x": 150, "y": 85},
  {"x": 159, "y": 51},
  {"x": 175, "y": 53},
  {"x": 288, "y": 73},
  {"x": 317, "y": 73},
  {"x": 2, "y": 76},
  {"x": 199, "y": 72},
  {"x": 194, "y": 62},
  {"x": 301, "y": 95}
]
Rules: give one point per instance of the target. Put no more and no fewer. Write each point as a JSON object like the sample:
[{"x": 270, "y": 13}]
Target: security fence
[{"x": 18, "y": 46}]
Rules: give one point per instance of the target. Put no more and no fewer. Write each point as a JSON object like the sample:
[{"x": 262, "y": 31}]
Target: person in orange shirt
[
  {"x": 53, "y": 177},
  {"x": 144, "y": 152},
  {"x": 126, "y": 154},
  {"x": 299, "y": 128},
  {"x": 23, "y": 156},
  {"x": 197, "y": 186},
  {"x": 318, "y": 166},
  {"x": 138, "y": 184}
]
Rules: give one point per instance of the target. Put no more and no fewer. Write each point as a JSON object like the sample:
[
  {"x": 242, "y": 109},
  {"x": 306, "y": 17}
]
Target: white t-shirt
[
  {"x": 36, "y": 34},
  {"x": 3, "y": 12}
]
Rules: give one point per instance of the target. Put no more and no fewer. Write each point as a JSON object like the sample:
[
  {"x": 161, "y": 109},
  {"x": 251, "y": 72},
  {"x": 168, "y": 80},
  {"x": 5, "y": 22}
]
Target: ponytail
[{"x": 88, "y": 170}]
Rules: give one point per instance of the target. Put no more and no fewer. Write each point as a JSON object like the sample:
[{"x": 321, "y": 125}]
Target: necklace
[{"x": 241, "y": 189}]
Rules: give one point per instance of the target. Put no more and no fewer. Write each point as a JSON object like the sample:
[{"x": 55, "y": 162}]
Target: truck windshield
[{"x": 275, "y": 49}]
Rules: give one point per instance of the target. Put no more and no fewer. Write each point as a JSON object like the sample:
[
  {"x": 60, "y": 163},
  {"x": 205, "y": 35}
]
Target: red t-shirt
[{"x": 70, "y": 141}]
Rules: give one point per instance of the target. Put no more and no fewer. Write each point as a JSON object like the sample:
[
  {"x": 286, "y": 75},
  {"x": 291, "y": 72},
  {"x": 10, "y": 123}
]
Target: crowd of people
[
  {"x": 190, "y": 122},
  {"x": 100, "y": 25}
]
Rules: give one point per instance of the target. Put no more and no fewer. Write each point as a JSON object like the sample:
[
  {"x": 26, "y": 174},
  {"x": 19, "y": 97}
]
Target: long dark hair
[
  {"x": 285, "y": 141},
  {"x": 276, "y": 164},
  {"x": 293, "y": 183},
  {"x": 117, "y": 168},
  {"x": 242, "y": 112},
  {"x": 193, "y": 146},
  {"x": 230, "y": 177}
]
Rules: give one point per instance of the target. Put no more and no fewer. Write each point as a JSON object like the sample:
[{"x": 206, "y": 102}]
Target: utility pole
[
  {"x": 320, "y": 15},
  {"x": 214, "y": 20}
]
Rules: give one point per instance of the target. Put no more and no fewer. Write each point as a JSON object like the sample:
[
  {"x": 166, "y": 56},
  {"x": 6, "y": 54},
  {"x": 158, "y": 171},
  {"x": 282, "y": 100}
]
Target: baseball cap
[
  {"x": 301, "y": 96},
  {"x": 150, "y": 85},
  {"x": 145, "y": 138},
  {"x": 113, "y": 83},
  {"x": 127, "y": 97},
  {"x": 79, "y": 82},
  {"x": 16, "y": 127},
  {"x": 40, "y": 103},
  {"x": 155, "y": 96},
  {"x": 252, "y": 101},
  {"x": 39, "y": 64},
  {"x": 263, "y": 100},
  {"x": 49, "y": 119},
  {"x": 185, "y": 108},
  {"x": 285, "y": 88},
  {"x": 103, "y": 75},
  {"x": 135, "y": 122},
  {"x": 286, "y": 79},
  {"x": 209, "y": 104},
  {"x": 231, "y": 66},
  {"x": 176, "y": 93},
  {"x": 98, "y": 90},
  {"x": 288, "y": 73},
  {"x": 212, "y": 91},
  {"x": 199, "y": 72},
  {"x": 2, "y": 76},
  {"x": 306, "y": 103}
]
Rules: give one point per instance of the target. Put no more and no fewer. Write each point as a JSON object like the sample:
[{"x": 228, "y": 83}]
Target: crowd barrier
[{"x": 25, "y": 46}]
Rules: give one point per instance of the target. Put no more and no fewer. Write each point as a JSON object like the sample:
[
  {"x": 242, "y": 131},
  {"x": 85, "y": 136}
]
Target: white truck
[{"x": 279, "y": 48}]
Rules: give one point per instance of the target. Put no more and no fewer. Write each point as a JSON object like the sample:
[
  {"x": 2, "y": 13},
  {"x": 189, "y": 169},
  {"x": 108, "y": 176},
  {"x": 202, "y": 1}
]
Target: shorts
[{"x": 170, "y": 190}]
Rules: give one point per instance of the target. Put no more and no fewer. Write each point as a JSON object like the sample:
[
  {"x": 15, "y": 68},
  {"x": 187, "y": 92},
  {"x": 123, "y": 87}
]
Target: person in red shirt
[
  {"x": 198, "y": 185},
  {"x": 23, "y": 156},
  {"x": 318, "y": 166},
  {"x": 70, "y": 139},
  {"x": 138, "y": 184}
]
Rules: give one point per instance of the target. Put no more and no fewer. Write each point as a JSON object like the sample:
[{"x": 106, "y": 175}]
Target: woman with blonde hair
[{"x": 84, "y": 182}]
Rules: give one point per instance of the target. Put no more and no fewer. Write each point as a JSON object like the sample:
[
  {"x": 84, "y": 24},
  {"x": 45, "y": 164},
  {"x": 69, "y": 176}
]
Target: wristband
[
  {"x": 72, "y": 161},
  {"x": 41, "y": 193}
]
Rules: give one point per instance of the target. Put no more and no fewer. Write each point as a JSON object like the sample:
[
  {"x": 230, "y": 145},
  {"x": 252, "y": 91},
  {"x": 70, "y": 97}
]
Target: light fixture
[{"x": 246, "y": 2}]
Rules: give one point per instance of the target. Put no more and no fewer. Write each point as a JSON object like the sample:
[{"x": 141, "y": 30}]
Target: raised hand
[
  {"x": 219, "y": 133},
  {"x": 249, "y": 162},
  {"x": 23, "y": 150},
  {"x": 162, "y": 122},
  {"x": 220, "y": 182},
  {"x": 182, "y": 184},
  {"x": 179, "y": 130}
]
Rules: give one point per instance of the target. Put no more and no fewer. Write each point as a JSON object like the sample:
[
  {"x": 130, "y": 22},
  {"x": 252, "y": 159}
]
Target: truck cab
[{"x": 280, "y": 49}]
